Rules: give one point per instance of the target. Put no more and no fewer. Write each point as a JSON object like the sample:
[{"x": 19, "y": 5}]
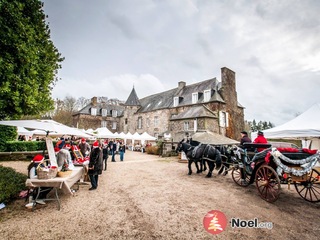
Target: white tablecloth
[{"x": 63, "y": 183}]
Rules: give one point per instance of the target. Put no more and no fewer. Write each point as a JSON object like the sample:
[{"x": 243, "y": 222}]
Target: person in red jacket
[{"x": 260, "y": 139}]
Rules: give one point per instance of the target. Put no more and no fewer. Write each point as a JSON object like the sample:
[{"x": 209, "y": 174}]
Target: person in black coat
[
  {"x": 244, "y": 138},
  {"x": 112, "y": 147},
  {"x": 105, "y": 151},
  {"x": 95, "y": 165}
]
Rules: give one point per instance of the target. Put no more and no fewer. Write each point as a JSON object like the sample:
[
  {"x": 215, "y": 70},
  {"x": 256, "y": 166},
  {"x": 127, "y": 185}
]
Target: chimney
[
  {"x": 94, "y": 101},
  {"x": 181, "y": 84}
]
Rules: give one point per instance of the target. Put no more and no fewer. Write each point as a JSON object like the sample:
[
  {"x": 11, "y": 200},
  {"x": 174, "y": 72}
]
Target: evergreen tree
[{"x": 28, "y": 61}]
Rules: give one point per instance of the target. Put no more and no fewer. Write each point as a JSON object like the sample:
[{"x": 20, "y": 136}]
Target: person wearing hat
[
  {"x": 244, "y": 138},
  {"x": 32, "y": 173},
  {"x": 32, "y": 168},
  {"x": 84, "y": 147},
  {"x": 95, "y": 165},
  {"x": 260, "y": 139},
  {"x": 64, "y": 156}
]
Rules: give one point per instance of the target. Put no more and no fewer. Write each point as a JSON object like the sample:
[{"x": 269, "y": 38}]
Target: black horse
[
  {"x": 228, "y": 158},
  {"x": 201, "y": 153}
]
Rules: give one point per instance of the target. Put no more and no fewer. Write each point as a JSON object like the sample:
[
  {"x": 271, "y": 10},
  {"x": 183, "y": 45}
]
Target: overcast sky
[{"x": 112, "y": 45}]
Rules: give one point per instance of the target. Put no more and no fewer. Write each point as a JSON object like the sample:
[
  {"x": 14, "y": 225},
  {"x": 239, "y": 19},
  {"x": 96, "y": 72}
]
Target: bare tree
[
  {"x": 82, "y": 102},
  {"x": 65, "y": 109}
]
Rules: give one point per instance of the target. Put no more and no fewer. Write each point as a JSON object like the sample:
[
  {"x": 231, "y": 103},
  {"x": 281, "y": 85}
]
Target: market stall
[{"x": 63, "y": 183}]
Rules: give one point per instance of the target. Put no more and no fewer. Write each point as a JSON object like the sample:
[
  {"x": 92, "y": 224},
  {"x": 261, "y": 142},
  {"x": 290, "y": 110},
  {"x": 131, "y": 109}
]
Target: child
[{"x": 32, "y": 173}]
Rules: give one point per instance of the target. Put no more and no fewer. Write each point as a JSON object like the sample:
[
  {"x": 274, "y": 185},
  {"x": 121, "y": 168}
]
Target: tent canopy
[
  {"x": 304, "y": 126},
  {"x": 50, "y": 127},
  {"x": 213, "y": 138},
  {"x": 103, "y": 132},
  {"x": 146, "y": 136}
]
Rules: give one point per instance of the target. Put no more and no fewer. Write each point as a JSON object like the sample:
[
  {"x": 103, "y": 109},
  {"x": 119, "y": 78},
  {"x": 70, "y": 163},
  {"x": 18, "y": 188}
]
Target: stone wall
[{"x": 169, "y": 149}]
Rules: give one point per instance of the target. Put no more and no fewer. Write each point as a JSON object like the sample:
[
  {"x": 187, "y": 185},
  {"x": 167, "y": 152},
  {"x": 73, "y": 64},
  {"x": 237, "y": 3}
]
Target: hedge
[{"x": 11, "y": 183}]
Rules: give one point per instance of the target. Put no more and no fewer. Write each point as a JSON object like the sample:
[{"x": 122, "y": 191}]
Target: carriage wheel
[
  {"x": 310, "y": 189},
  {"x": 240, "y": 177},
  {"x": 268, "y": 183}
]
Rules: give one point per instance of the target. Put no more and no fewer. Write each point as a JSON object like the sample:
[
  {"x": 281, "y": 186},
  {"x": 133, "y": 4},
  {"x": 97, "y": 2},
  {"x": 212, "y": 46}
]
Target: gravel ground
[{"x": 149, "y": 197}]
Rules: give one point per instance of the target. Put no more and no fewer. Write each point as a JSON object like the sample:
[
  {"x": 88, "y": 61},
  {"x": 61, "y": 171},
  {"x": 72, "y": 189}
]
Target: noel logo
[{"x": 214, "y": 222}]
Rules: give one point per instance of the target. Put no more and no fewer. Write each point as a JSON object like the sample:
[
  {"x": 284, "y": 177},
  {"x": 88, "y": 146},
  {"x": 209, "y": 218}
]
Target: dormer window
[
  {"x": 104, "y": 112},
  {"x": 93, "y": 111},
  {"x": 194, "y": 97},
  {"x": 114, "y": 113},
  {"x": 175, "y": 101},
  {"x": 207, "y": 95}
]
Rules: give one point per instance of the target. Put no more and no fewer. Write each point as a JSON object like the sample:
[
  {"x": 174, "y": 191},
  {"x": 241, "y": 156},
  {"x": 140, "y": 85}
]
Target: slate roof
[
  {"x": 164, "y": 100},
  {"x": 133, "y": 99},
  {"x": 195, "y": 112},
  {"x": 87, "y": 109}
]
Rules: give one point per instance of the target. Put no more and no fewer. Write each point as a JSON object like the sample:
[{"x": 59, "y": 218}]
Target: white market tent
[
  {"x": 305, "y": 127},
  {"x": 103, "y": 132},
  {"x": 23, "y": 131},
  {"x": 146, "y": 136},
  {"x": 122, "y": 135},
  {"x": 136, "y": 136},
  {"x": 208, "y": 137},
  {"x": 46, "y": 127}
]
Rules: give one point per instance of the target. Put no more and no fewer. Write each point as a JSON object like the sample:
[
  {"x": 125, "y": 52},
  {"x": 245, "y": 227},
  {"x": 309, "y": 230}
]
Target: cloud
[
  {"x": 110, "y": 46},
  {"x": 112, "y": 87}
]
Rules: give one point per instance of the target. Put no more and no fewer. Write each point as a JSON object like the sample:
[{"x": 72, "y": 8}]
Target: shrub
[
  {"x": 7, "y": 133},
  {"x": 152, "y": 150},
  {"x": 11, "y": 183},
  {"x": 20, "y": 146}
]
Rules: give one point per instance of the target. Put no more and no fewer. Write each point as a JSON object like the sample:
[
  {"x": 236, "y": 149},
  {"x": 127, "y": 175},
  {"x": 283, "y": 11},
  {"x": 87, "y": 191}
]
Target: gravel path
[{"x": 149, "y": 197}]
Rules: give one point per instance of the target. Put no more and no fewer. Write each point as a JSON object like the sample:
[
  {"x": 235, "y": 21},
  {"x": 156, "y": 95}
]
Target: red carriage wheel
[
  {"x": 240, "y": 177},
  {"x": 310, "y": 189},
  {"x": 268, "y": 183}
]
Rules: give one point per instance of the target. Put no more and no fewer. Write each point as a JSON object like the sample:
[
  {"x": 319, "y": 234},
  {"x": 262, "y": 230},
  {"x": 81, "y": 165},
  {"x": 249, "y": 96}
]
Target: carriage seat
[
  {"x": 251, "y": 147},
  {"x": 296, "y": 154}
]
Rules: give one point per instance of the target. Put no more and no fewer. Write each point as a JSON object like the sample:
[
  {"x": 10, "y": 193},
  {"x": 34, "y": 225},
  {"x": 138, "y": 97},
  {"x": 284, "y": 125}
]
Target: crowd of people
[{"x": 95, "y": 154}]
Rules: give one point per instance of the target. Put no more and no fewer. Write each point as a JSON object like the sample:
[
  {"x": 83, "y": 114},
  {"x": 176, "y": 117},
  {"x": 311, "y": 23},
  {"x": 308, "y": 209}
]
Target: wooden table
[{"x": 63, "y": 183}]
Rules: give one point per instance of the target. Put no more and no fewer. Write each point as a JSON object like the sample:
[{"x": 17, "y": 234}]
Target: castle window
[
  {"x": 104, "y": 112},
  {"x": 194, "y": 97},
  {"x": 223, "y": 119},
  {"x": 186, "y": 126},
  {"x": 126, "y": 121},
  {"x": 93, "y": 111},
  {"x": 103, "y": 123},
  {"x": 114, "y": 125},
  {"x": 175, "y": 101},
  {"x": 156, "y": 121},
  {"x": 148, "y": 122},
  {"x": 139, "y": 122},
  {"x": 207, "y": 95}
]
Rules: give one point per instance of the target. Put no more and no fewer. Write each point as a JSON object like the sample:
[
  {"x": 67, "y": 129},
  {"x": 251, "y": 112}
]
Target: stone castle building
[{"x": 179, "y": 112}]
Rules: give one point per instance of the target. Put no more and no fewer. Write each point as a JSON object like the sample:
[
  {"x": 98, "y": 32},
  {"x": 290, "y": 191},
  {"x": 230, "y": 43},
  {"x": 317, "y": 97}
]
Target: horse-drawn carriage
[
  {"x": 267, "y": 169},
  {"x": 271, "y": 167}
]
